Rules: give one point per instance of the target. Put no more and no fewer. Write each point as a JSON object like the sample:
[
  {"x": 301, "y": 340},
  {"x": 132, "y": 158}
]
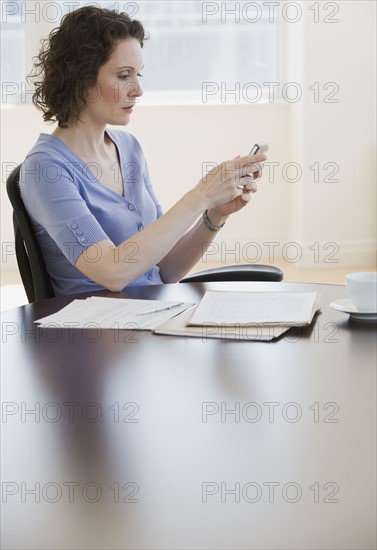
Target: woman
[{"x": 87, "y": 188}]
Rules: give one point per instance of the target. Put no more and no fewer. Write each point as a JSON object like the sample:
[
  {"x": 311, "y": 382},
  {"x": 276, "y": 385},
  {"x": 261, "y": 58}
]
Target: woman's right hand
[{"x": 224, "y": 183}]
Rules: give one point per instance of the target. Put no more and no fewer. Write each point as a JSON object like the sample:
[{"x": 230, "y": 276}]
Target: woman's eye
[{"x": 124, "y": 76}]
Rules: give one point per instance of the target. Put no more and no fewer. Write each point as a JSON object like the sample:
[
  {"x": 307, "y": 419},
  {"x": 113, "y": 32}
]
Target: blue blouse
[{"x": 71, "y": 209}]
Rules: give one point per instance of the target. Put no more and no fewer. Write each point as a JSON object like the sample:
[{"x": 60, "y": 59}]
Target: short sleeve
[{"x": 54, "y": 203}]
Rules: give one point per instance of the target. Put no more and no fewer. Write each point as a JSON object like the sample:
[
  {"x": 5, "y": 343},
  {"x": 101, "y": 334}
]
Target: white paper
[
  {"x": 247, "y": 308},
  {"x": 112, "y": 313},
  {"x": 180, "y": 326}
]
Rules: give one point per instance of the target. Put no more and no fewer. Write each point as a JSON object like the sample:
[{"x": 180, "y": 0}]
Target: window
[
  {"x": 204, "y": 51},
  {"x": 13, "y": 50}
]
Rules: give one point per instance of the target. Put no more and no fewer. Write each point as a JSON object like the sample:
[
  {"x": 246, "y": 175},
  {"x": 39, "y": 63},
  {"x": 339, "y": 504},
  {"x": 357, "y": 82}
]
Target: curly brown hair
[{"x": 69, "y": 59}]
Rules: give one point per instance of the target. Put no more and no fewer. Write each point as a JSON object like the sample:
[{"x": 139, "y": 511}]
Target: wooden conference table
[{"x": 133, "y": 440}]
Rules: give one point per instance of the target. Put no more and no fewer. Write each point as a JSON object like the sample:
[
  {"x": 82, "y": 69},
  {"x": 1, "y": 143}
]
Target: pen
[{"x": 157, "y": 309}]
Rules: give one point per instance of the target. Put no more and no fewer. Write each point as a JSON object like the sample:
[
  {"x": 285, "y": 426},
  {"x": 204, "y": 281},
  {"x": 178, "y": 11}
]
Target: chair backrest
[{"x": 30, "y": 261}]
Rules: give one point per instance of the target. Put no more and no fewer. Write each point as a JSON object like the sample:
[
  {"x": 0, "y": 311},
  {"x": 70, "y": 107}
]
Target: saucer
[{"x": 346, "y": 306}]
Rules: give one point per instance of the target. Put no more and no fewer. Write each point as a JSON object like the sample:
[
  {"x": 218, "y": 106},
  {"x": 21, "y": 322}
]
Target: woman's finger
[{"x": 249, "y": 184}]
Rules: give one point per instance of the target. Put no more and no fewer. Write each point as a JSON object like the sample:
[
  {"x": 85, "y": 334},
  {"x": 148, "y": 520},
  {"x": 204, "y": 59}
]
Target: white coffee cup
[{"x": 362, "y": 289}]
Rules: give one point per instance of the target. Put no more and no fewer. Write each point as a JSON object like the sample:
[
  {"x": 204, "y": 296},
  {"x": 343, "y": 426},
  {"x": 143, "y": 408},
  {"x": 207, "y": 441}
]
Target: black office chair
[
  {"x": 30, "y": 261},
  {"x": 36, "y": 279}
]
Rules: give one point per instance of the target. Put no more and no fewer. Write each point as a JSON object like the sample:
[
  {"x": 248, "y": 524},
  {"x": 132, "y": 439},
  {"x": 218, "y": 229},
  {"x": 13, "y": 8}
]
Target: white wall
[
  {"x": 342, "y": 53},
  {"x": 177, "y": 139}
]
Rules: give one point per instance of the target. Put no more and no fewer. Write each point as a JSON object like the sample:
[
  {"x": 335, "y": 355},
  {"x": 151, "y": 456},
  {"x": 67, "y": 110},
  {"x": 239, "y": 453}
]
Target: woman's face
[{"x": 117, "y": 88}]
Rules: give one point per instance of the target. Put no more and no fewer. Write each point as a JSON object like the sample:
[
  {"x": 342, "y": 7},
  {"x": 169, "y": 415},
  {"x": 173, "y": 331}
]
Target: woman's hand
[
  {"x": 224, "y": 184},
  {"x": 243, "y": 173}
]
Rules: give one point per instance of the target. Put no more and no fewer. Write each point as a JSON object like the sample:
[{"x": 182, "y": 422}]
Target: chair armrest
[{"x": 254, "y": 272}]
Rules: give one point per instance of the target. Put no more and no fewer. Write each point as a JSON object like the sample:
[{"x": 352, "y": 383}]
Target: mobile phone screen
[{"x": 259, "y": 147}]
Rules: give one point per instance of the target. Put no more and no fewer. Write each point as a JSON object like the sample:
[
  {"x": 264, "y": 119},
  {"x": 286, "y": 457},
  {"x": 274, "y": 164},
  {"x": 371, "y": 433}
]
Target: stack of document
[
  {"x": 226, "y": 315},
  {"x": 233, "y": 315}
]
